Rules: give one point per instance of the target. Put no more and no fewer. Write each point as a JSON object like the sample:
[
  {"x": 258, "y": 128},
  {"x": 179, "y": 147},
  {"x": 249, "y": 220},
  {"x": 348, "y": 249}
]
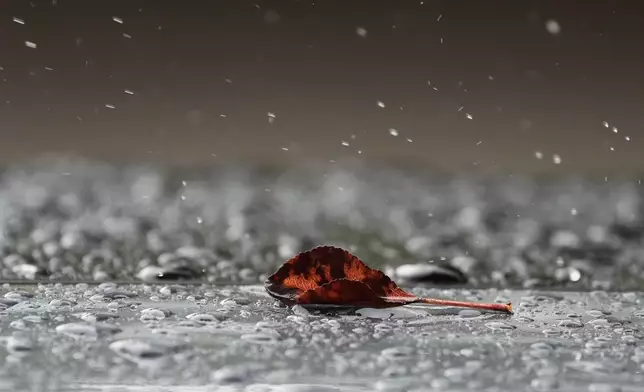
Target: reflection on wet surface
[{"x": 203, "y": 338}]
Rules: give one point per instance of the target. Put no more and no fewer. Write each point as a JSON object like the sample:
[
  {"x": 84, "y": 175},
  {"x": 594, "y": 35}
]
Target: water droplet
[
  {"x": 499, "y": 326},
  {"x": 361, "y": 31},
  {"x": 393, "y": 132},
  {"x": 538, "y": 155},
  {"x": 571, "y": 323},
  {"x": 381, "y": 104},
  {"x": 469, "y": 313},
  {"x": 346, "y": 144},
  {"x": 574, "y": 274},
  {"x": 262, "y": 338},
  {"x": 556, "y": 159},
  {"x": 78, "y": 331},
  {"x": 603, "y": 388},
  {"x": 553, "y": 27},
  {"x": 117, "y": 19},
  {"x": 31, "y": 44},
  {"x": 18, "y": 20}
]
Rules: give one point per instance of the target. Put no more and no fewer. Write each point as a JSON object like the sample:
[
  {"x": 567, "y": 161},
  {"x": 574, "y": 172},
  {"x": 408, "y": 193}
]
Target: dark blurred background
[{"x": 493, "y": 86}]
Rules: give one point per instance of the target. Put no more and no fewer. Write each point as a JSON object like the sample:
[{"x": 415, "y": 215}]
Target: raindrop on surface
[
  {"x": 152, "y": 314},
  {"x": 397, "y": 353},
  {"x": 596, "y": 313},
  {"x": 469, "y": 313},
  {"x": 499, "y": 326},
  {"x": 140, "y": 350},
  {"x": 571, "y": 323},
  {"x": 603, "y": 388},
  {"x": 544, "y": 384},
  {"x": 202, "y": 318},
  {"x": 261, "y": 338},
  {"x": 78, "y": 330}
]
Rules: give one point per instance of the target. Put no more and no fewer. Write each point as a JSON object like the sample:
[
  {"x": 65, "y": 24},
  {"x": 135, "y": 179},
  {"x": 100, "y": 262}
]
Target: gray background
[{"x": 189, "y": 63}]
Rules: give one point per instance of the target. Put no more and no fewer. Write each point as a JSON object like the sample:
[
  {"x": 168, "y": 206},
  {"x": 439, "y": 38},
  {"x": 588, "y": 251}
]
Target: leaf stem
[{"x": 507, "y": 308}]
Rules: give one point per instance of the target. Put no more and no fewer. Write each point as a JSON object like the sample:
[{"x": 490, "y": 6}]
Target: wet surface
[
  {"x": 78, "y": 220},
  {"x": 112, "y": 337},
  {"x": 565, "y": 252}
]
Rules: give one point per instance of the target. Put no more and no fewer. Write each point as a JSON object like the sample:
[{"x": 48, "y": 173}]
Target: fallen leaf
[{"x": 328, "y": 275}]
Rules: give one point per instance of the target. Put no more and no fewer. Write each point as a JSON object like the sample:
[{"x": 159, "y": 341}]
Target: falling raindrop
[
  {"x": 129, "y": 92},
  {"x": 117, "y": 19},
  {"x": 605, "y": 124},
  {"x": 615, "y": 130},
  {"x": 553, "y": 27},
  {"x": 31, "y": 45},
  {"x": 556, "y": 159},
  {"x": 393, "y": 132},
  {"x": 110, "y": 106},
  {"x": 346, "y": 144},
  {"x": 538, "y": 155},
  {"x": 361, "y": 31},
  {"x": 18, "y": 20},
  {"x": 381, "y": 104},
  {"x": 469, "y": 116}
]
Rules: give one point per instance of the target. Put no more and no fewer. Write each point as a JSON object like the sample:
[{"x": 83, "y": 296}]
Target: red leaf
[{"x": 332, "y": 276}]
